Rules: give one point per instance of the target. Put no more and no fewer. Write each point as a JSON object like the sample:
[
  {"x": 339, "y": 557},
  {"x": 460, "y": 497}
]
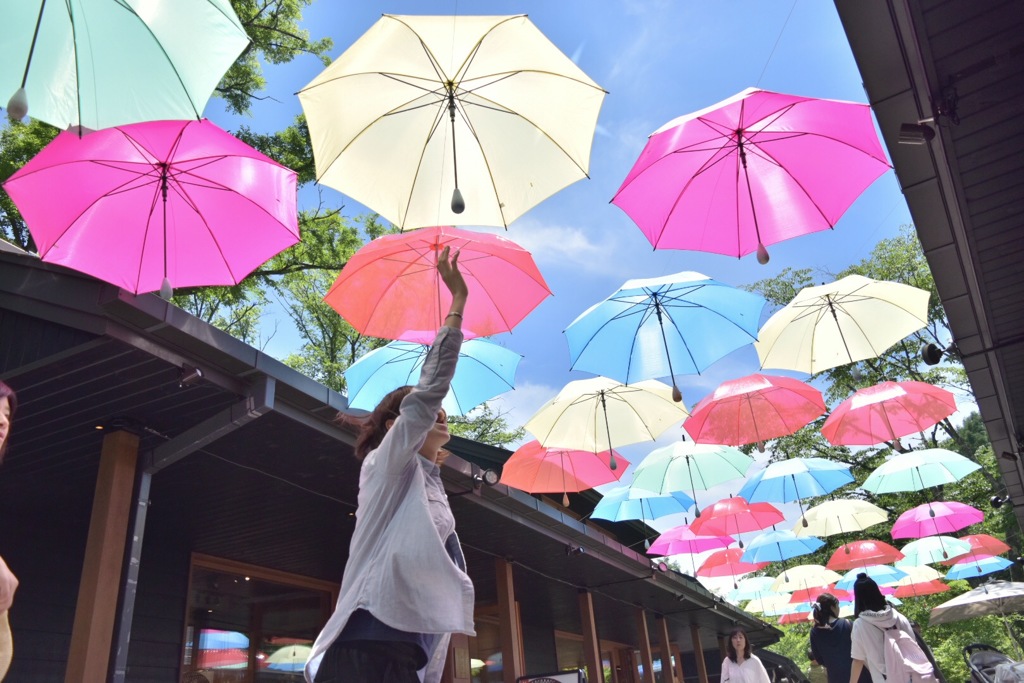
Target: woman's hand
[{"x": 448, "y": 269}]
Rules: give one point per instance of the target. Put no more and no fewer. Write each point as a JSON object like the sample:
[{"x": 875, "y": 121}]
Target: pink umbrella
[
  {"x": 735, "y": 516},
  {"x": 981, "y": 544},
  {"x": 753, "y": 409},
  {"x": 374, "y": 289},
  {"x": 887, "y": 411},
  {"x": 916, "y": 590},
  {"x": 728, "y": 563},
  {"x": 930, "y": 519},
  {"x": 811, "y": 594},
  {"x": 681, "y": 539},
  {"x": 863, "y": 553},
  {"x": 537, "y": 469},
  {"x": 752, "y": 170},
  {"x": 151, "y": 205},
  {"x": 795, "y": 618}
]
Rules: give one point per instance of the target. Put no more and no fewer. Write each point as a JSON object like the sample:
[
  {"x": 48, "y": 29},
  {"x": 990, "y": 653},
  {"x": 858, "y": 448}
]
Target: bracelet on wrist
[{"x": 456, "y": 314}]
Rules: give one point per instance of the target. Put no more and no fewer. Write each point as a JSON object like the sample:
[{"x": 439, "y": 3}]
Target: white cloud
[
  {"x": 565, "y": 247},
  {"x": 519, "y": 405}
]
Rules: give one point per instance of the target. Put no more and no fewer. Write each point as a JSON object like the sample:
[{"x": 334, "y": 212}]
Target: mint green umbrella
[
  {"x": 917, "y": 470},
  {"x": 103, "y": 63}
]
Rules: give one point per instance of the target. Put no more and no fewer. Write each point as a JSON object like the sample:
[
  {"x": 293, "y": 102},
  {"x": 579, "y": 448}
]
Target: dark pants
[{"x": 370, "y": 661}]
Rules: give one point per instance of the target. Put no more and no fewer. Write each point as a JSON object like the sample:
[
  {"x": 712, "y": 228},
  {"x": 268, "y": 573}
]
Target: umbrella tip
[
  {"x": 677, "y": 395},
  {"x": 17, "y": 106},
  {"x": 762, "y": 254},
  {"x": 166, "y": 291},
  {"x": 760, "y": 446},
  {"x": 805, "y": 523},
  {"x": 612, "y": 463},
  {"x": 458, "y": 203}
]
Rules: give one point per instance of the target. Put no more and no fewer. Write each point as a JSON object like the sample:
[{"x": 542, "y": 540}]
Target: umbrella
[
  {"x": 485, "y": 370},
  {"x": 994, "y": 597},
  {"x": 538, "y": 469},
  {"x": 599, "y": 413},
  {"x": 214, "y": 639},
  {"x": 685, "y": 465},
  {"x": 233, "y": 658},
  {"x": 662, "y": 327},
  {"x": 917, "y": 470},
  {"x": 982, "y": 544},
  {"x": 97, "y": 64},
  {"x": 374, "y": 289},
  {"x": 288, "y": 658},
  {"x": 735, "y": 516},
  {"x": 483, "y": 109},
  {"x": 750, "y": 171},
  {"x": 776, "y": 546},
  {"x": 932, "y": 549},
  {"x": 794, "y": 479},
  {"x": 811, "y": 594},
  {"x": 681, "y": 539},
  {"x": 882, "y": 574},
  {"x": 862, "y": 554},
  {"x": 919, "y": 588},
  {"x": 804, "y": 576},
  {"x": 848, "y": 320},
  {"x": 887, "y": 411},
  {"x": 752, "y": 588},
  {"x": 977, "y": 565},
  {"x": 839, "y": 516},
  {"x": 795, "y": 618},
  {"x": 929, "y": 519},
  {"x": 753, "y": 409},
  {"x": 728, "y": 563},
  {"x": 768, "y": 602},
  {"x": 156, "y": 204},
  {"x": 620, "y": 504}
]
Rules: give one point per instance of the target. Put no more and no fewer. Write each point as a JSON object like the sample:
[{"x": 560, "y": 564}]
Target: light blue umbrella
[
  {"x": 918, "y": 470},
  {"x": 882, "y": 574},
  {"x": 662, "y": 327},
  {"x": 485, "y": 370},
  {"x": 213, "y": 639},
  {"x": 618, "y": 504},
  {"x": 979, "y": 565},
  {"x": 794, "y": 479},
  {"x": 932, "y": 549},
  {"x": 752, "y": 588},
  {"x": 776, "y": 546}
]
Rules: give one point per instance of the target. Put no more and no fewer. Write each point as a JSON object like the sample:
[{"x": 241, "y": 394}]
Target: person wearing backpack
[{"x": 884, "y": 640}]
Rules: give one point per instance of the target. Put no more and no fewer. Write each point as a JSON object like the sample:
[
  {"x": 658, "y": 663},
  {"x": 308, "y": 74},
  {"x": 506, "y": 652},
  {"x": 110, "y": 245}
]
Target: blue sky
[{"x": 658, "y": 59}]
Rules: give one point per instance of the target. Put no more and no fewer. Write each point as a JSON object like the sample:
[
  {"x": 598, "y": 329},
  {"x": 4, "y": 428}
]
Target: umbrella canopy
[
  {"x": 420, "y": 106},
  {"x": 681, "y": 539},
  {"x": 753, "y": 409},
  {"x": 485, "y": 370},
  {"x": 920, "y": 588},
  {"x": 98, "y": 64},
  {"x": 804, "y": 576},
  {"x": 599, "y": 413},
  {"x": 215, "y": 639},
  {"x": 977, "y": 565},
  {"x": 728, "y": 563},
  {"x": 539, "y": 469},
  {"x": 735, "y": 516},
  {"x": 929, "y": 519},
  {"x": 288, "y": 658},
  {"x": 811, "y": 594},
  {"x": 994, "y": 597},
  {"x": 752, "y": 588},
  {"x": 788, "y": 480},
  {"x": 619, "y": 504},
  {"x": 982, "y": 544},
  {"x": 795, "y": 618},
  {"x": 750, "y": 171},
  {"x": 688, "y": 466},
  {"x": 882, "y": 574},
  {"x": 839, "y": 516},
  {"x": 767, "y": 603},
  {"x": 862, "y": 554},
  {"x": 662, "y": 327},
  {"x": 374, "y": 288},
  {"x": 887, "y": 411},
  {"x": 776, "y": 546},
  {"x": 917, "y": 470},
  {"x": 932, "y": 549},
  {"x": 159, "y": 204},
  {"x": 848, "y": 320}
]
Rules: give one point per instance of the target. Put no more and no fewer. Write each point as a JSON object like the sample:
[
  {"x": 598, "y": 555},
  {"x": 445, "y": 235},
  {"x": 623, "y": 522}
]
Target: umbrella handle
[
  {"x": 458, "y": 203},
  {"x": 608, "y": 430},
  {"x": 677, "y": 395}
]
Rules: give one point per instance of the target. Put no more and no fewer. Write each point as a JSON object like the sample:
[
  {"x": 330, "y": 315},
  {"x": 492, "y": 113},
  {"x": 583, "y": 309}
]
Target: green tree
[{"x": 486, "y": 425}]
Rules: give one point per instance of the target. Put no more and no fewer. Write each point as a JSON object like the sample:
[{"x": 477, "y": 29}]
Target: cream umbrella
[
  {"x": 842, "y": 322},
  {"x": 804, "y": 576},
  {"x": 768, "y": 602},
  {"x": 599, "y": 413},
  {"x": 451, "y": 120},
  {"x": 839, "y": 516}
]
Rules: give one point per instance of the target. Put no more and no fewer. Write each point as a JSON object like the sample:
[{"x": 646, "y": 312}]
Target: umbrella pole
[
  {"x": 166, "y": 291},
  {"x": 798, "y": 501},
  {"x": 832, "y": 310},
  {"x": 17, "y": 107},
  {"x": 762, "y": 253},
  {"x": 458, "y": 203},
  {"x": 608, "y": 430},
  {"x": 693, "y": 487},
  {"x": 677, "y": 395}
]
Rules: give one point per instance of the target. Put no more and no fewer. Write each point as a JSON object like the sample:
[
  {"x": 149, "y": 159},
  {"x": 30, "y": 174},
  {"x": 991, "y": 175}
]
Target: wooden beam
[
  {"x": 698, "y": 654},
  {"x": 591, "y": 645},
  {"x": 100, "y": 585},
  {"x": 646, "y": 656},
  {"x": 508, "y": 622},
  {"x": 668, "y": 674}
]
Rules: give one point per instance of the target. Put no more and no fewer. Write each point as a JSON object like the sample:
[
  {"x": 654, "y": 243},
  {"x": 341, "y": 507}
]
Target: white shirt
[
  {"x": 867, "y": 638},
  {"x": 398, "y": 568},
  {"x": 750, "y": 671}
]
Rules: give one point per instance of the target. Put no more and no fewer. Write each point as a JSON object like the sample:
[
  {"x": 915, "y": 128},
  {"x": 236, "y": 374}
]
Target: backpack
[{"x": 905, "y": 661}]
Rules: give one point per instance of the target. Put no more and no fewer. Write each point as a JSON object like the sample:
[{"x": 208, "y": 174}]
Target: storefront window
[{"x": 485, "y": 653}]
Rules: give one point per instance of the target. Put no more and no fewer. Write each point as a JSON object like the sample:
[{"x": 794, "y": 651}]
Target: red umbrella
[
  {"x": 795, "y": 618},
  {"x": 811, "y": 593},
  {"x": 753, "y": 409},
  {"x": 915, "y": 590},
  {"x": 887, "y": 411},
  {"x": 381, "y": 289},
  {"x": 862, "y": 554},
  {"x": 537, "y": 469},
  {"x": 981, "y": 544},
  {"x": 735, "y": 515},
  {"x": 728, "y": 563}
]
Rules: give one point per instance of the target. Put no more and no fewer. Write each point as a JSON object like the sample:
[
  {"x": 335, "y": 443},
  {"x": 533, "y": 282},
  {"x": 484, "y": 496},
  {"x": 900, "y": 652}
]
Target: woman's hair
[
  {"x": 12, "y": 401},
  {"x": 825, "y": 607},
  {"x": 866, "y": 595},
  {"x": 373, "y": 427},
  {"x": 730, "y": 649}
]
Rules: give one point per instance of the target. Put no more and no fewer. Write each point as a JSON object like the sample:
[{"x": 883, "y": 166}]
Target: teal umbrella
[
  {"x": 777, "y": 546},
  {"x": 932, "y": 549},
  {"x": 917, "y": 470},
  {"x": 103, "y": 63}
]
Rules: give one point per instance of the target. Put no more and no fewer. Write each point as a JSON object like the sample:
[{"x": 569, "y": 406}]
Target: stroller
[{"x": 982, "y": 661}]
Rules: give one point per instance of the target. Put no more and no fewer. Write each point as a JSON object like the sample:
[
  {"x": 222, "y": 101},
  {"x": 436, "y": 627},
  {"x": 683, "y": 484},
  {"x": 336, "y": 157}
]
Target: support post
[
  {"x": 96, "y": 609},
  {"x": 668, "y": 673},
  {"x": 698, "y": 654},
  {"x": 508, "y": 622},
  {"x": 591, "y": 644},
  {"x": 456, "y": 668},
  {"x": 646, "y": 656}
]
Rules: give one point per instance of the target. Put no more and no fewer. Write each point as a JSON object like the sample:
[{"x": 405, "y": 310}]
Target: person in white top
[
  {"x": 873, "y": 615},
  {"x": 405, "y": 589},
  {"x": 740, "y": 666}
]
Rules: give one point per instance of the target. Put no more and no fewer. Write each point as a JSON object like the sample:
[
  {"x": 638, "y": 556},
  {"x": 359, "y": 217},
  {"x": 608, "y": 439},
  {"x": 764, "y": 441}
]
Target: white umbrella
[
  {"x": 994, "y": 597},
  {"x": 839, "y": 517},
  {"x": 845, "y": 321},
  {"x": 805, "y": 576},
  {"x": 423, "y": 113}
]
